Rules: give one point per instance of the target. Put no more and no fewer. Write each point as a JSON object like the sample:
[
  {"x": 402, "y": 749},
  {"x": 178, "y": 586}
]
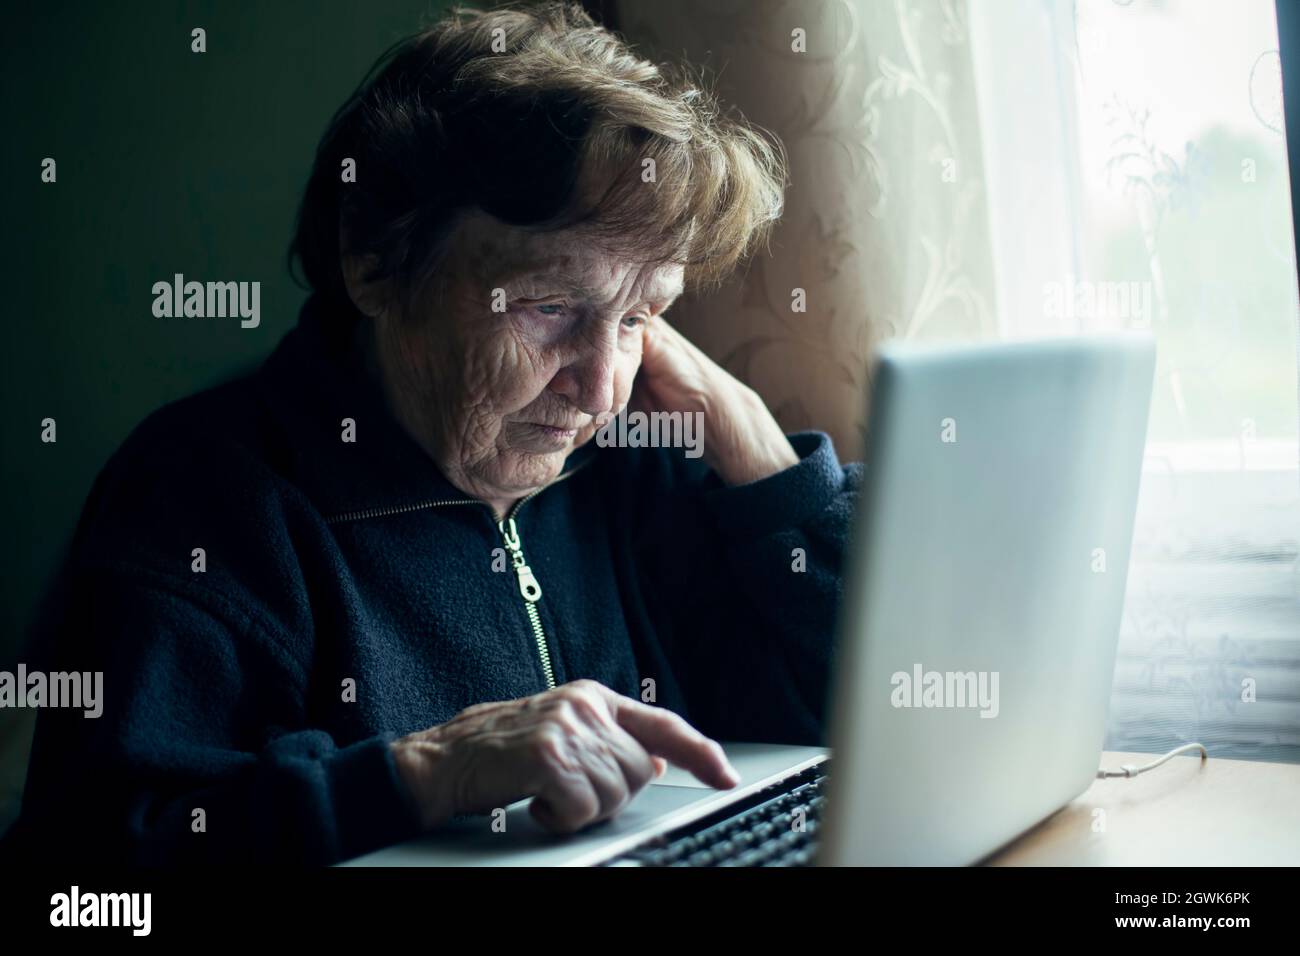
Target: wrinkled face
[{"x": 531, "y": 341}]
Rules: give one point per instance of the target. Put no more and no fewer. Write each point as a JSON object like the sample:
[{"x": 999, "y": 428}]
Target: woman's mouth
[
  {"x": 557, "y": 432},
  {"x": 549, "y": 436}
]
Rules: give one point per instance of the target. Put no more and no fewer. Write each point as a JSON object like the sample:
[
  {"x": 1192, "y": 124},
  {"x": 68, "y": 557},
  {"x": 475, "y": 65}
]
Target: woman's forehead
[
  {"x": 579, "y": 274},
  {"x": 571, "y": 258}
]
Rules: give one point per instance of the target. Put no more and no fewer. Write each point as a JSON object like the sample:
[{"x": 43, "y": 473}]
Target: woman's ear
[{"x": 368, "y": 294}]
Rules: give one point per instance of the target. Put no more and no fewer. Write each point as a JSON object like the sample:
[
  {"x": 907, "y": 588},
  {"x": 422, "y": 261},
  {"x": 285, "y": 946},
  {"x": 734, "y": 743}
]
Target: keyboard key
[{"x": 759, "y": 831}]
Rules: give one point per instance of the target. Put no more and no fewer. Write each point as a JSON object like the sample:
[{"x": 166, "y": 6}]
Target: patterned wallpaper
[{"x": 886, "y": 227}]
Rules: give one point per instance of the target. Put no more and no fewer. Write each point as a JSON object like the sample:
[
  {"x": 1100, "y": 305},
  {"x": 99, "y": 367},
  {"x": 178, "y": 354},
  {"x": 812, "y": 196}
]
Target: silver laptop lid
[{"x": 983, "y": 596}]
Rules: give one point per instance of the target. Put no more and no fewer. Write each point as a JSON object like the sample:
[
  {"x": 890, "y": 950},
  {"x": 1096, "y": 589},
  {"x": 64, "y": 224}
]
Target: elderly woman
[{"x": 390, "y": 578}]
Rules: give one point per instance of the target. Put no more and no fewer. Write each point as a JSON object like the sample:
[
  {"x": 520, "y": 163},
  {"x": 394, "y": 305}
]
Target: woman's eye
[
  {"x": 550, "y": 308},
  {"x": 632, "y": 321}
]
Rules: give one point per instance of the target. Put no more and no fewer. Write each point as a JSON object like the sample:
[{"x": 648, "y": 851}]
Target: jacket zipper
[
  {"x": 529, "y": 588},
  {"x": 532, "y": 593}
]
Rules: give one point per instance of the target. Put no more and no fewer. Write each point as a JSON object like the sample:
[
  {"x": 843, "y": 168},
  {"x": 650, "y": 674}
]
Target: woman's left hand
[{"x": 741, "y": 440}]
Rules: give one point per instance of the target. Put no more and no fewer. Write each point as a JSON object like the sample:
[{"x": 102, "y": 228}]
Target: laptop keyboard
[{"x": 778, "y": 826}]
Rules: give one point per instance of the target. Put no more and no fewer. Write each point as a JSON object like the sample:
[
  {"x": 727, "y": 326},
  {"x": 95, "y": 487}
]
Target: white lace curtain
[{"x": 1048, "y": 167}]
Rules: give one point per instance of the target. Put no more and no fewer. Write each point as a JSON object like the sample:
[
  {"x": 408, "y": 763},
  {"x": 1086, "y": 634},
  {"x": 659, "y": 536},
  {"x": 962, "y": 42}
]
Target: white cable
[{"x": 1130, "y": 770}]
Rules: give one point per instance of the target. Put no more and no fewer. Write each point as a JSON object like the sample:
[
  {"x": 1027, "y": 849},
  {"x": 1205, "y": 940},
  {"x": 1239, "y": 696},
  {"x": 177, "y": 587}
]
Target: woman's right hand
[{"x": 581, "y": 751}]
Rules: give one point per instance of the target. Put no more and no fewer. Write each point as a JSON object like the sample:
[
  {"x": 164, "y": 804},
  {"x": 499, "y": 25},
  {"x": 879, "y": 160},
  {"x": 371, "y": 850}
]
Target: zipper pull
[{"x": 528, "y": 586}]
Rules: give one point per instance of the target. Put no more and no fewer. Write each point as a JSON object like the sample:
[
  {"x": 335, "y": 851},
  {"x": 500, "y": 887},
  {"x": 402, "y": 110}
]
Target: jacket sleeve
[
  {"x": 744, "y": 585},
  {"x": 202, "y": 710}
]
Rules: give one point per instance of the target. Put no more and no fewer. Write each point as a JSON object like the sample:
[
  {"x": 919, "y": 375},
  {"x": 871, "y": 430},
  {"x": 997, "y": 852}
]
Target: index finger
[{"x": 666, "y": 734}]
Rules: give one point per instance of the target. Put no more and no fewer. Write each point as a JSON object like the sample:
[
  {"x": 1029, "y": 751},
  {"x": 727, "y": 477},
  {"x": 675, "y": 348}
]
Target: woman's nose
[{"x": 587, "y": 379}]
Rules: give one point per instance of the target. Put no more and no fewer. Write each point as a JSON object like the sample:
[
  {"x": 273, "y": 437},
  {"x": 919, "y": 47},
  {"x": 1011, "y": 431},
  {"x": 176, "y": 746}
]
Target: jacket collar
[{"x": 312, "y": 382}]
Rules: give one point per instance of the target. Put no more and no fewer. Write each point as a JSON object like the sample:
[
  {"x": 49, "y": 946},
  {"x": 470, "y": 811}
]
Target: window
[{"x": 1137, "y": 178}]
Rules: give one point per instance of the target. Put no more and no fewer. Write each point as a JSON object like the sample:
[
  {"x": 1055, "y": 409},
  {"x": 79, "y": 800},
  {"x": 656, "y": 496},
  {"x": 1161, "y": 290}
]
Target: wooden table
[{"x": 1183, "y": 813}]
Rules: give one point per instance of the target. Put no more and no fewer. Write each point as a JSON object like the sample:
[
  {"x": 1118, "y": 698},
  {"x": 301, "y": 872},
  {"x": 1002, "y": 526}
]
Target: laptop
[{"x": 976, "y": 641}]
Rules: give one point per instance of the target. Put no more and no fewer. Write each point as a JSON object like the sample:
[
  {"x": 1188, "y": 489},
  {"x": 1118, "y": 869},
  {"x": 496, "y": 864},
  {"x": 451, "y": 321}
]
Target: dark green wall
[{"x": 168, "y": 161}]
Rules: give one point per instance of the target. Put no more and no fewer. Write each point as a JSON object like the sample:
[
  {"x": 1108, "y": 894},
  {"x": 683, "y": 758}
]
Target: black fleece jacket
[{"x": 350, "y": 595}]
